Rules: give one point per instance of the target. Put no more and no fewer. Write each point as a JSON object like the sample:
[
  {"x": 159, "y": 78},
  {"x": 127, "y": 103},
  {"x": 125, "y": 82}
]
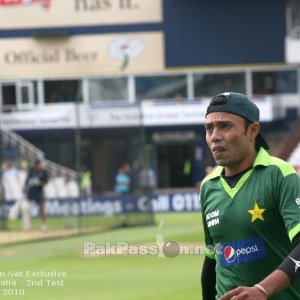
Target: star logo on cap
[{"x": 256, "y": 213}]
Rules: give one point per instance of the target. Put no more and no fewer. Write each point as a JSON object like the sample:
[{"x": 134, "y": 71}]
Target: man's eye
[{"x": 225, "y": 126}]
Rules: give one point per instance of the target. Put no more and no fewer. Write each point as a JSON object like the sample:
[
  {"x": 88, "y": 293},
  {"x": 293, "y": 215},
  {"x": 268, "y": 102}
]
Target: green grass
[
  {"x": 125, "y": 277},
  {"x": 82, "y": 222}
]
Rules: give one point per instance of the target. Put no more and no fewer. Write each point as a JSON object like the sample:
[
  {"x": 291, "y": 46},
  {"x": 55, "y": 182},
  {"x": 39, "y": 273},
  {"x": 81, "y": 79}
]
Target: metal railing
[{"x": 26, "y": 149}]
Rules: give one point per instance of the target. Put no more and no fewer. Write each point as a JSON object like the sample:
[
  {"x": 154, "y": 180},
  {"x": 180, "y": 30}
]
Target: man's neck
[
  {"x": 234, "y": 179},
  {"x": 246, "y": 164}
]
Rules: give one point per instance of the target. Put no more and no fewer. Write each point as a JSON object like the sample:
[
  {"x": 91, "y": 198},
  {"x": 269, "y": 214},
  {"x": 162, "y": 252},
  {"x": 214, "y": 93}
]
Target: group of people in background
[
  {"x": 145, "y": 181},
  {"x": 34, "y": 178}
]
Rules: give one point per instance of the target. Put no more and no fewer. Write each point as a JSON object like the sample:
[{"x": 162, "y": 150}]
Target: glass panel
[
  {"x": 209, "y": 85},
  {"x": 9, "y": 95},
  {"x": 274, "y": 82},
  {"x": 161, "y": 87},
  {"x": 28, "y": 91},
  {"x": 61, "y": 91},
  {"x": 25, "y": 94},
  {"x": 108, "y": 89},
  {"x": 295, "y": 12}
]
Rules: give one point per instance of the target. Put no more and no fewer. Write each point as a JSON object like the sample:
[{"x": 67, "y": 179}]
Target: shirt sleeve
[
  {"x": 209, "y": 246},
  {"x": 208, "y": 279},
  {"x": 289, "y": 203}
]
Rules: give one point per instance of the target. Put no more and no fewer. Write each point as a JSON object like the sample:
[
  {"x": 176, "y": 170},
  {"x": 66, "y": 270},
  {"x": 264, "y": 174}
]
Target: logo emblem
[
  {"x": 229, "y": 254},
  {"x": 243, "y": 251},
  {"x": 44, "y": 3},
  {"x": 297, "y": 264},
  {"x": 256, "y": 213},
  {"x": 125, "y": 49}
]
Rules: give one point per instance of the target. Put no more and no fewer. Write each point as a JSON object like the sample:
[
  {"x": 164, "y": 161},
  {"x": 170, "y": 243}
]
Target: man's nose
[{"x": 216, "y": 135}]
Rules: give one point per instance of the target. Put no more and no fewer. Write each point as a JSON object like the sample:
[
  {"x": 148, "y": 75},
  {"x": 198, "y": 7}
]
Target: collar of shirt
[{"x": 262, "y": 159}]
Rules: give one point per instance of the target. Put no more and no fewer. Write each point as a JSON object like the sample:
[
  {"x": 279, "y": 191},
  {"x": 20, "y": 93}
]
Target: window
[
  {"x": 209, "y": 85},
  {"x": 293, "y": 18},
  {"x": 108, "y": 89},
  {"x": 161, "y": 87},
  {"x": 62, "y": 91},
  {"x": 18, "y": 95},
  {"x": 274, "y": 82},
  {"x": 9, "y": 96}
]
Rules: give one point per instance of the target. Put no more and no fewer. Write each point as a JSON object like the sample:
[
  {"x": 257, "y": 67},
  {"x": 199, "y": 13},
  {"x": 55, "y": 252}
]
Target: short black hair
[{"x": 218, "y": 100}]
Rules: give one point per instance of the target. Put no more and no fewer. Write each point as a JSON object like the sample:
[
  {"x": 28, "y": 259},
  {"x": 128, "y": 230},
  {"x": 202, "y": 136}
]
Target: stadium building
[{"x": 112, "y": 74}]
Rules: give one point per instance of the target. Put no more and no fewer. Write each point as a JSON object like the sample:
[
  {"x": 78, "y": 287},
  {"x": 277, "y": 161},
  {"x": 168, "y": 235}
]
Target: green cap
[{"x": 238, "y": 104}]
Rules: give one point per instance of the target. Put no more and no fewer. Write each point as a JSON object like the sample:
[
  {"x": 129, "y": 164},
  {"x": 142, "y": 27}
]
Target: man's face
[
  {"x": 228, "y": 139},
  {"x": 38, "y": 166}
]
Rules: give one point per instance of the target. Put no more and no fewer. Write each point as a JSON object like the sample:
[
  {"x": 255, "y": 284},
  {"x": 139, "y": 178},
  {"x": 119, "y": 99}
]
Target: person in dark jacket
[{"x": 34, "y": 186}]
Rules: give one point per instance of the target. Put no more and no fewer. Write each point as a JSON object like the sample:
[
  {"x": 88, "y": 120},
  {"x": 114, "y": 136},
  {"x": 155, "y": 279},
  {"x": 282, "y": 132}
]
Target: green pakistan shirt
[{"x": 249, "y": 228}]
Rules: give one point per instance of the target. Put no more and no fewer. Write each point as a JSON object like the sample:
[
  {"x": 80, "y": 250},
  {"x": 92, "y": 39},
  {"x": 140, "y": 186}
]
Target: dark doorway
[
  {"x": 175, "y": 165},
  {"x": 9, "y": 96}
]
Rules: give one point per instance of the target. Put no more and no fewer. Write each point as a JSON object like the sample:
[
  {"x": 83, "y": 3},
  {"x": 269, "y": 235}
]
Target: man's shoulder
[
  {"x": 264, "y": 159},
  {"x": 285, "y": 167},
  {"x": 214, "y": 174},
  {"x": 31, "y": 172}
]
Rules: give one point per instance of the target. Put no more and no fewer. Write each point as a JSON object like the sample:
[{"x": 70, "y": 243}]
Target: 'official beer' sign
[{"x": 86, "y": 55}]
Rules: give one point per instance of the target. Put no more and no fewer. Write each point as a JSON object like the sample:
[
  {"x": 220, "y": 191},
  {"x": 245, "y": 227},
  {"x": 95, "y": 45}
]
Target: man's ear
[{"x": 253, "y": 130}]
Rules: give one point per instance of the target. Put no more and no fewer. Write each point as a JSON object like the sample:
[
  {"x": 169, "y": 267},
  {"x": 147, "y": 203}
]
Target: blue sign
[{"x": 113, "y": 205}]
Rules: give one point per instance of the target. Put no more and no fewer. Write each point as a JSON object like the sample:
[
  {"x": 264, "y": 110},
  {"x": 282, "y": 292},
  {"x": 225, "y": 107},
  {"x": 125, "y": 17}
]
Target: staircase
[{"x": 14, "y": 150}]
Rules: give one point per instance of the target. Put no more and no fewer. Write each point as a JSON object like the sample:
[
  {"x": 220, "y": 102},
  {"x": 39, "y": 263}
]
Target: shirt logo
[
  {"x": 212, "y": 218},
  {"x": 256, "y": 213},
  {"x": 229, "y": 254},
  {"x": 242, "y": 252},
  {"x": 297, "y": 264}
]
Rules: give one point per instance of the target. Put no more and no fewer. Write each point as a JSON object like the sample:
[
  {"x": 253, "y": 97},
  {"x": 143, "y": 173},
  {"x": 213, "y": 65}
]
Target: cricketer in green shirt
[{"x": 249, "y": 228}]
